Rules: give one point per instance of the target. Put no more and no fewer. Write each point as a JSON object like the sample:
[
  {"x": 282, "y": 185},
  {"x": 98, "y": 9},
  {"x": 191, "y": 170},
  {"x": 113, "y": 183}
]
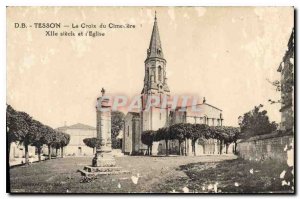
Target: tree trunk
[
  {"x": 148, "y": 150},
  {"x": 151, "y": 150},
  {"x": 179, "y": 147},
  {"x": 194, "y": 146},
  {"x": 235, "y": 145},
  {"x": 167, "y": 148},
  {"x": 8, "y": 150},
  {"x": 62, "y": 152},
  {"x": 39, "y": 153},
  {"x": 49, "y": 152},
  {"x": 185, "y": 147},
  {"x": 26, "y": 153},
  {"x": 94, "y": 148},
  {"x": 221, "y": 146},
  {"x": 227, "y": 145},
  {"x": 56, "y": 150}
]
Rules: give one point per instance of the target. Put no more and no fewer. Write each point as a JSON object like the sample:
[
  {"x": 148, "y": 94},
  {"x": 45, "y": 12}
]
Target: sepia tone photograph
[{"x": 165, "y": 100}]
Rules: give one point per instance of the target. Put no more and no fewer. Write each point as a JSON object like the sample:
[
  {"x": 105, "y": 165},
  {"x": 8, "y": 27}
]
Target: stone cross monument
[
  {"x": 103, "y": 156},
  {"x": 104, "y": 161}
]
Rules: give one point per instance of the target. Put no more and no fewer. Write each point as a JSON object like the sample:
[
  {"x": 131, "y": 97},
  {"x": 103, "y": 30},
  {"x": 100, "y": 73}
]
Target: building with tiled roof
[{"x": 78, "y": 132}]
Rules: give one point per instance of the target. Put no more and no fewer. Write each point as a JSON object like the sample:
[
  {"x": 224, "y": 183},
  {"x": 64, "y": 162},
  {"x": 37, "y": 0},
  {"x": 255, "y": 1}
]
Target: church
[{"x": 155, "y": 84}]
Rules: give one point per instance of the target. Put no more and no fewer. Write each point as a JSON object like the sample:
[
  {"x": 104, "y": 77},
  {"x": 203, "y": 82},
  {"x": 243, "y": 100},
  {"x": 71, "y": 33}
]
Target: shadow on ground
[{"x": 229, "y": 176}]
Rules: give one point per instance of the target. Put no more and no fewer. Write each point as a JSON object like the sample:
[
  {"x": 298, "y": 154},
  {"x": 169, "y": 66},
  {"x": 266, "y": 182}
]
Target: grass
[
  {"x": 230, "y": 176},
  {"x": 156, "y": 174}
]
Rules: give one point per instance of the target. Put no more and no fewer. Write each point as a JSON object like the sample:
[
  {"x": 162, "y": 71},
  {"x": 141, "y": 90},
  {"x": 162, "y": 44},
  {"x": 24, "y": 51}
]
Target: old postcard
[{"x": 150, "y": 100}]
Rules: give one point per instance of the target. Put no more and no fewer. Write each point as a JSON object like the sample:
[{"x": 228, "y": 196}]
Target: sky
[{"x": 225, "y": 54}]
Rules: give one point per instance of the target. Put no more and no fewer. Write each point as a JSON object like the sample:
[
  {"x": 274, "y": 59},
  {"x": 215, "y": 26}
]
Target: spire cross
[
  {"x": 102, "y": 91},
  {"x": 155, "y": 16}
]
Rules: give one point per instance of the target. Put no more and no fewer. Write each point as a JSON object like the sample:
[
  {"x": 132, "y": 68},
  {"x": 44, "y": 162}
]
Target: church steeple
[
  {"x": 155, "y": 84},
  {"x": 155, "y": 49},
  {"x": 155, "y": 80}
]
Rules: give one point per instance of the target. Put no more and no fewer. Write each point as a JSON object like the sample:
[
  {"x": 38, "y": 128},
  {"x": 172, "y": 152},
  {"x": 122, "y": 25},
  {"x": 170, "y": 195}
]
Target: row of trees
[
  {"x": 22, "y": 128},
  {"x": 195, "y": 132}
]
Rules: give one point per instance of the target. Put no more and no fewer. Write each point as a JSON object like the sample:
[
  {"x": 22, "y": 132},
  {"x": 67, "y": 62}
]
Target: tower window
[
  {"x": 158, "y": 51},
  {"x": 153, "y": 75},
  {"x": 147, "y": 74},
  {"x": 159, "y": 73}
]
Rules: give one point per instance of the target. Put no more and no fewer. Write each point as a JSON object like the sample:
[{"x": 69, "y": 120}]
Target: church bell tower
[{"x": 155, "y": 82}]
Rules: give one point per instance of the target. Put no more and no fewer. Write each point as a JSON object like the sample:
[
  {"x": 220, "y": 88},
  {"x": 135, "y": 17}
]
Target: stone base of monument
[{"x": 103, "y": 164}]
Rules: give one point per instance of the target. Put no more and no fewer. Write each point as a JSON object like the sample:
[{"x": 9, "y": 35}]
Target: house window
[{"x": 79, "y": 150}]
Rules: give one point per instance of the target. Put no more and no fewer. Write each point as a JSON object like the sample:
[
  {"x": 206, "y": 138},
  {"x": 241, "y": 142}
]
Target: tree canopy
[
  {"x": 92, "y": 142},
  {"x": 182, "y": 131},
  {"x": 256, "y": 122}
]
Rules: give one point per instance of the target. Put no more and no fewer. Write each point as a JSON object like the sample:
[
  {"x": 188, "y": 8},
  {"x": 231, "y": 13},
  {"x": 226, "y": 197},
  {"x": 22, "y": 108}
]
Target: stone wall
[{"x": 257, "y": 149}]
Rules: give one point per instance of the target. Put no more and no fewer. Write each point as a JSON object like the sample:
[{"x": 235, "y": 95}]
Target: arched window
[
  {"x": 147, "y": 74},
  {"x": 159, "y": 73},
  {"x": 153, "y": 74}
]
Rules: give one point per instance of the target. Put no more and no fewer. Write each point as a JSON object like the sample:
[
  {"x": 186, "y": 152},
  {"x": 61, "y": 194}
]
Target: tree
[
  {"x": 92, "y": 143},
  {"x": 180, "y": 131},
  {"x": 233, "y": 135},
  {"x": 256, "y": 122},
  {"x": 49, "y": 139},
  {"x": 13, "y": 126},
  {"x": 117, "y": 122},
  {"x": 58, "y": 138},
  {"x": 227, "y": 135},
  {"x": 64, "y": 142},
  {"x": 199, "y": 132},
  {"x": 219, "y": 134},
  {"x": 38, "y": 140},
  {"x": 27, "y": 133},
  {"x": 147, "y": 138},
  {"x": 163, "y": 134}
]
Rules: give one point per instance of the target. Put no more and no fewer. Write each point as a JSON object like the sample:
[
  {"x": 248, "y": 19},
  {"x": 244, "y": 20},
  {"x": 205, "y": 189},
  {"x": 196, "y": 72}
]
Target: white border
[{"x": 5, "y": 3}]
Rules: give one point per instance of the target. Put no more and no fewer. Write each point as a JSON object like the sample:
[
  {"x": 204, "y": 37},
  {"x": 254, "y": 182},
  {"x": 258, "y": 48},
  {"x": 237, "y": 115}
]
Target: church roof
[
  {"x": 155, "y": 49},
  {"x": 203, "y": 104},
  {"x": 77, "y": 126}
]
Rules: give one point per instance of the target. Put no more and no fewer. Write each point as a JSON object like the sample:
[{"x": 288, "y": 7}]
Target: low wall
[{"x": 257, "y": 149}]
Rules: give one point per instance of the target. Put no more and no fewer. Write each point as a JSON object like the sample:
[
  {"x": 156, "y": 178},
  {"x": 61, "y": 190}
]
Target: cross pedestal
[{"x": 104, "y": 161}]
